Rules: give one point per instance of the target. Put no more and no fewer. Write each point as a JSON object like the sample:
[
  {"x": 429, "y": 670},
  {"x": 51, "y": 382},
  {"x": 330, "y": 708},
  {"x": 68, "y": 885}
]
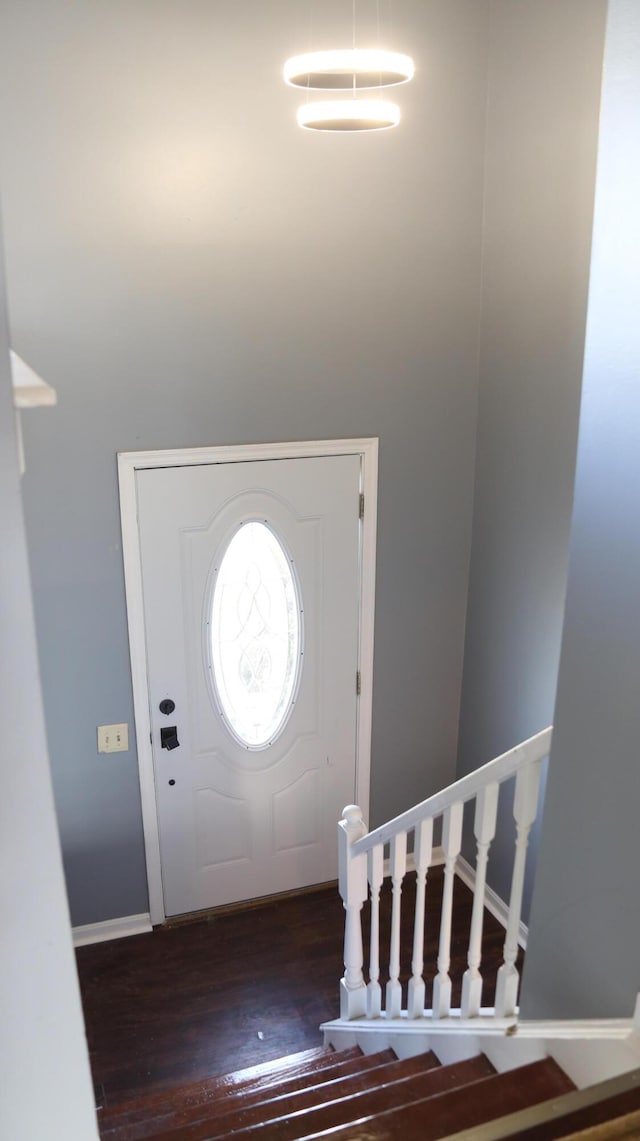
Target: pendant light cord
[
  {"x": 310, "y": 44},
  {"x": 353, "y": 41}
]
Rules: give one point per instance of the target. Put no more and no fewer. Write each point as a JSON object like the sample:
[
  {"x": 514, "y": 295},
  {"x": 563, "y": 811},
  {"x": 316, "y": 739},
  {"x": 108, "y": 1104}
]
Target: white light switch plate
[{"x": 113, "y": 738}]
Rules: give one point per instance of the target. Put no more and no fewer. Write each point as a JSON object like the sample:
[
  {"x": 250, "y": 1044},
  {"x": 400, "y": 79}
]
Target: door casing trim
[{"x": 131, "y": 462}]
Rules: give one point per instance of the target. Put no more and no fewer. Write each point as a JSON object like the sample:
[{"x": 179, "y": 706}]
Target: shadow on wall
[{"x": 101, "y": 883}]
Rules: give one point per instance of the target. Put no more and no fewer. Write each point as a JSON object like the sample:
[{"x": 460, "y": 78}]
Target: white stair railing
[
  {"x": 524, "y": 810},
  {"x": 484, "y": 829},
  {"x": 422, "y": 857},
  {"x": 361, "y": 855}
]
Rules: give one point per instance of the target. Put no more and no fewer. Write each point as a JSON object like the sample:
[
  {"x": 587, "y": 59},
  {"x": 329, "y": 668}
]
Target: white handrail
[
  {"x": 361, "y": 867},
  {"x": 495, "y": 771}
]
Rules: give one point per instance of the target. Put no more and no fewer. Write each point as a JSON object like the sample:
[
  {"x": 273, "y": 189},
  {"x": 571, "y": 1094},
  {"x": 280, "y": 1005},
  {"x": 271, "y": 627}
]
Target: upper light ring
[{"x": 344, "y": 70}]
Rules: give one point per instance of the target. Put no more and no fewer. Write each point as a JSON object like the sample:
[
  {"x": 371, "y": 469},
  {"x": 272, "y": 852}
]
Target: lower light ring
[{"x": 349, "y": 115}]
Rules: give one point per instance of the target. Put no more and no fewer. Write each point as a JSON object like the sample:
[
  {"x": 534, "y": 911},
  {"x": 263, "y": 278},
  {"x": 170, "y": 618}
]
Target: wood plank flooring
[{"x": 234, "y": 989}]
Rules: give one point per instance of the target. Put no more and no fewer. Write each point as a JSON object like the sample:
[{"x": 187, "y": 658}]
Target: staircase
[
  {"x": 376, "y": 1097},
  {"x": 401, "y": 1061}
]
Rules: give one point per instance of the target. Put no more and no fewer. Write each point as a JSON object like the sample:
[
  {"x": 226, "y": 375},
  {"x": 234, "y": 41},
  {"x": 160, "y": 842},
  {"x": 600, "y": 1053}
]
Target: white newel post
[
  {"x": 376, "y": 876},
  {"x": 485, "y": 830},
  {"x": 398, "y": 861},
  {"x": 423, "y": 845},
  {"x": 352, "y": 884},
  {"x": 525, "y": 807},
  {"x": 451, "y": 842}
]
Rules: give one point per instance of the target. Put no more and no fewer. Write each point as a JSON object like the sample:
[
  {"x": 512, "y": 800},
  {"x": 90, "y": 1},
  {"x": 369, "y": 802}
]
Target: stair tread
[
  {"x": 289, "y": 1067},
  {"x": 428, "y": 1119},
  {"x": 167, "y": 1112},
  {"x": 323, "y": 1116},
  {"x": 324, "y": 1103},
  {"x": 286, "y": 1104},
  {"x": 609, "y": 1109}
]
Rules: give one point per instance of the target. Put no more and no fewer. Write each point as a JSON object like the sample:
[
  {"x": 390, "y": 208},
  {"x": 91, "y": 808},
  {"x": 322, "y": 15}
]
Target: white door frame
[{"x": 131, "y": 462}]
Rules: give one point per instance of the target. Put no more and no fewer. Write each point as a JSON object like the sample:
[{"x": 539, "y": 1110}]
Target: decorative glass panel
[{"x": 255, "y": 635}]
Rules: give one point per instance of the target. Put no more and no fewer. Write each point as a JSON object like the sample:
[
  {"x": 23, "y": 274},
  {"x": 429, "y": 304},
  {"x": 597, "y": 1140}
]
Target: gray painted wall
[
  {"x": 46, "y": 1083},
  {"x": 583, "y": 956},
  {"x": 542, "y": 122},
  {"x": 187, "y": 267}
]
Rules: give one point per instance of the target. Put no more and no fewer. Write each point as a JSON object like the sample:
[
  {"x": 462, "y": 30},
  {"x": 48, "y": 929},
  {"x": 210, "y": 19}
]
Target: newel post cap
[{"x": 353, "y": 822}]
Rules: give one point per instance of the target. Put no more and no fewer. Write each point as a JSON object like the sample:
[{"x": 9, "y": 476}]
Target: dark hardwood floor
[{"x": 232, "y": 989}]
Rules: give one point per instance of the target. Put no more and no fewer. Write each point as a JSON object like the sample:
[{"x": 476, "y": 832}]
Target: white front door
[{"x": 250, "y": 580}]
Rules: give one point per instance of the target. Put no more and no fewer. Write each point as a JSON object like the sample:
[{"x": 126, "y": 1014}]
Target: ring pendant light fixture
[
  {"x": 345, "y": 69},
  {"x": 349, "y": 69}
]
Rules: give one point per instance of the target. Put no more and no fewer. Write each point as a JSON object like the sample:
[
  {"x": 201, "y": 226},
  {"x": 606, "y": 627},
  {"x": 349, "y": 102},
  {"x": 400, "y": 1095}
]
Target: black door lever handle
[{"x": 169, "y": 737}]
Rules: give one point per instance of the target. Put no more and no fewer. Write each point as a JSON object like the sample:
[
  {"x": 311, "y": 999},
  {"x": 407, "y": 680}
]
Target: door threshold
[{"x": 210, "y": 913}]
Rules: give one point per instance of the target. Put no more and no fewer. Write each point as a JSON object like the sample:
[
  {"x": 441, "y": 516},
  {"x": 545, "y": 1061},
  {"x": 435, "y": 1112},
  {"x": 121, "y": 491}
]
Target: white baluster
[
  {"x": 451, "y": 841},
  {"x": 352, "y": 884},
  {"x": 376, "y": 876},
  {"x": 525, "y": 807},
  {"x": 485, "y": 830},
  {"x": 398, "y": 860},
  {"x": 423, "y": 845}
]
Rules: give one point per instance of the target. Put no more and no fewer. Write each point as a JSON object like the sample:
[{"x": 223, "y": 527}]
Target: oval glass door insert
[{"x": 255, "y": 636}]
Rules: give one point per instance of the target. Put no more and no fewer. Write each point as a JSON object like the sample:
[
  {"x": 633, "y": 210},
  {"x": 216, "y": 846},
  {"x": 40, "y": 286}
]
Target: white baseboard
[
  {"x": 111, "y": 929},
  {"x": 492, "y": 900}
]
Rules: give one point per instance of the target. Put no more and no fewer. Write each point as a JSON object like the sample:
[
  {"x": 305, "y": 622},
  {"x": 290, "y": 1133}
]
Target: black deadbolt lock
[
  {"x": 167, "y": 706},
  {"x": 169, "y": 737}
]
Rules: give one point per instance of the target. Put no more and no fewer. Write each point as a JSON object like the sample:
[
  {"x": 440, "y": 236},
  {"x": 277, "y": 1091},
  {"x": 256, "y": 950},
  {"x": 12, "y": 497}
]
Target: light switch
[{"x": 113, "y": 738}]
